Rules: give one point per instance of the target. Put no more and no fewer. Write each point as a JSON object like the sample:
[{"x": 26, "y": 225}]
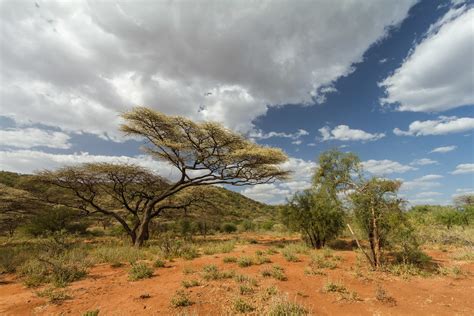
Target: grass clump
[
  {"x": 140, "y": 271},
  {"x": 283, "y": 307},
  {"x": 229, "y": 259},
  {"x": 241, "y": 306},
  {"x": 117, "y": 255},
  {"x": 381, "y": 295},
  {"x": 244, "y": 262},
  {"x": 333, "y": 287},
  {"x": 190, "y": 283},
  {"x": 159, "y": 263},
  {"x": 245, "y": 290},
  {"x": 53, "y": 295},
  {"x": 211, "y": 272},
  {"x": 322, "y": 261},
  {"x": 218, "y": 247},
  {"x": 181, "y": 299},
  {"x": 275, "y": 272},
  {"x": 188, "y": 270},
  {"x": 91, "y": 313}
]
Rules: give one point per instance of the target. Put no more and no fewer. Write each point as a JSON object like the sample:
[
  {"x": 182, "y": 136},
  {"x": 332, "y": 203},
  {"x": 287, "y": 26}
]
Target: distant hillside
[{"x": 226, "y": 206}]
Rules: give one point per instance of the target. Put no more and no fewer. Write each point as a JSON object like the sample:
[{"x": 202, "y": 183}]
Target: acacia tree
[
  {"x": 15, "y": 207},
  {"x": 203, "y": 154},
  {"x": 375, "y": 202},
  {"x": 318, "y": 212}
]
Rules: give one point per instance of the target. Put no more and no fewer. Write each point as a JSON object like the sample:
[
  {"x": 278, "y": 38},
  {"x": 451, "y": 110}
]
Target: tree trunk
[
  {"x": 142, "y": 233},
  {"x": 376, "y": 237}
]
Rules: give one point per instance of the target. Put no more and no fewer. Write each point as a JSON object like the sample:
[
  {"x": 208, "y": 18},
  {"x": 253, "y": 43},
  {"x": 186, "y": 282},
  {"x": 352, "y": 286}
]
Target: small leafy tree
[
  {"x": 318, "y": 212},
  {"x": 203, "y": 154},
  {"x": 318, "y": 217},
  {"x": 375, "y": 205}
]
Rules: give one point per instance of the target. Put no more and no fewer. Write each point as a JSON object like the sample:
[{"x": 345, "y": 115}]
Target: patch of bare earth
[{"x": 109, "y": 290}]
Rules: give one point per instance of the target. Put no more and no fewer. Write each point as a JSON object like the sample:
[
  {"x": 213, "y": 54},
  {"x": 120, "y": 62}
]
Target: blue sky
[{"x": 392, "y": 81}]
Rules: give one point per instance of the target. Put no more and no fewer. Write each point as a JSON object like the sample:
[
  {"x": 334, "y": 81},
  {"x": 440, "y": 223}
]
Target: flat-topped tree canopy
[{"x": 204, "y": 153}]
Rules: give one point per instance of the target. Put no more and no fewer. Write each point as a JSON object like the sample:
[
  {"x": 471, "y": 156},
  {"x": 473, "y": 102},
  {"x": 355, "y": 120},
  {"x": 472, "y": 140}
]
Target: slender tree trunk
[
  {"x": 143, "y": 231},
  {"x": 376, "y": 237}
]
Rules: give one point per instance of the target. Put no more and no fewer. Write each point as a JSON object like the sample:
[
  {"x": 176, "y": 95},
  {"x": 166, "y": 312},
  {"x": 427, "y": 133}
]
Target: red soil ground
[{"x": 109, "y": 290}]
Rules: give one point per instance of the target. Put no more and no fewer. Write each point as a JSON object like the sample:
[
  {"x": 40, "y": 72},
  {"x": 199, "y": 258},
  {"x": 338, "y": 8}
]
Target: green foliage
[
  {"x": 275, "y": 272},
  {"x": 56, "y": 219},
  {"x": 283, "y": 307},
  {"x": 140, "y": 271},
  {"x": 116, "y": 255},
  {"x": 190, "y": 283},
  {"x": 229, "y": 228},
  {"x": 331, "y": 287},
  {"x": 159, "y": 263},
  {"x": 244, "y": 262},
  {"x": 316, "y": 215},
  {"x": 181, "y": 299},
  {"x": 218, "y": 247},
  {"x": 229, "y": 259},
  {"x": 91, "y": 313},
  {"x": 53, "y": 295},
  {"x": 211, "y": 272},
  {"x": 241, "y": 306}
]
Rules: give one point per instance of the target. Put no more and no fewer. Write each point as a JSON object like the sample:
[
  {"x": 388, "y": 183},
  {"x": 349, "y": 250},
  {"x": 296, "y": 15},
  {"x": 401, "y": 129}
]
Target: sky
[{"x": 392, "y": 81}]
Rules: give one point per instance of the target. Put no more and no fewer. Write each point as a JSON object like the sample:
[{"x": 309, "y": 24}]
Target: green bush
[
  {"x": 181, "y": 299},
  {"x": 54, "y": 220},
  {"x": 229, "y": 228},
  {"x": 241, "y": 306},
  {"x": 140, "y": 271}
]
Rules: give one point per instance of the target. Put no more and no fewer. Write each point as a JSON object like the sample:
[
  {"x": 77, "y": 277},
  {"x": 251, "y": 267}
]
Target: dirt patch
[{"x": 108, "y": 289}]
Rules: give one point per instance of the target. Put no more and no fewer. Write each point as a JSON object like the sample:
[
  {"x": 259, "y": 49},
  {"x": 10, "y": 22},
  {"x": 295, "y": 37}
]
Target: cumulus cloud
[
  {"x": 422, "y": 183},
  {"x": 437, "y": 75},
  {"x": 345, "y": 133},
  {"x": 33, "y": 137},
  {"x": 464, "y": 168},
  {"x": 29, "y": 161},
  {"x": 428, "y": 194},
  {"x": 443, "y": 125},
  {"x": 275, "y": 193},
  {"x": 423, "y": 162},
  {"x": 384, "y": 167},
  {"x": 443, "y": 149},
  {"x": 83, "y": 62},
  {"x": 258, "y": 134}
]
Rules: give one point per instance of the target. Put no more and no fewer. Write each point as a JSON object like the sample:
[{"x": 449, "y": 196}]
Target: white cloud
[
  {"x": 33, "y": 137},
  {"x": 258, "y": 134},
  {"x": 428, "y": 194},
  {"x": 443, "y": 149},
  {"x": 345, "y": 133},
  {"x": 423, "y": 162},
  {"x": 422, "y": 183},
  {"x": 444, "y": 125},
  {"x": 275, "y": 193},
  {"x": 29, "y": 161},
  {"x": 464, "y": 168},
  {"x": 383, "y": 167},
  {"x": 437, "y": 75},
  {"x": 83, "y": 62}
]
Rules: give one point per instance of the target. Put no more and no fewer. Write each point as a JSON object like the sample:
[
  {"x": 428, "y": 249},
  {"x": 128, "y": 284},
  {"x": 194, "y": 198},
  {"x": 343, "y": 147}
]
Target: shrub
[
  {"x": 116, "y": 255},
  {"x": 11, "y": 259},
  {"x": 245, "y": 289},
  {"x": 159, "y": 263},
  {"x": 275, "y": 272},
  {"x": 320, "y": 262},
  {"x": 190, "y": 283},
  {"x": 34, "y": 273},
  {"x": 282, "y": 307},
  {"x": 211, "y": 272},
  {"x": 54, "y": 220},
  {"x": 244, "y": 262},
  {"x": 382, "y": 296},
  {"x": 140, "y": 271},
  {"x": 241, "y": 306},
  {"x": 330, "y": 287},
  {"x": 229, "y": 228},
  {"x": 219, "y": 247},
  {"x": 181, "y": 299},
  {"x": 229, "y": 259},
  {"x": 54, "y": 296}
]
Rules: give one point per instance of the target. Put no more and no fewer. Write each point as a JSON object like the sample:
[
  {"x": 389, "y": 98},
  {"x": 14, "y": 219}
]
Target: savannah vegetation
[{"x": 57, "y": 226}]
